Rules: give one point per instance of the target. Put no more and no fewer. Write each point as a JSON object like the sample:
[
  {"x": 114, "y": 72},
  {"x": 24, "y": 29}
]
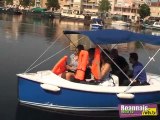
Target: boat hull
[
  {"x": 31, "y": 93},
  {"x": 96, "y": 27}
]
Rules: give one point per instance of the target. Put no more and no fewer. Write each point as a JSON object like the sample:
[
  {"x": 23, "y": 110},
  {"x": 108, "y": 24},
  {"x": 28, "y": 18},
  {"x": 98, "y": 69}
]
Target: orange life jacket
[
  {"x": 95, "y": 68},
  {"x": 82, "y": 64},
  {"x": 60, "y": 67}
]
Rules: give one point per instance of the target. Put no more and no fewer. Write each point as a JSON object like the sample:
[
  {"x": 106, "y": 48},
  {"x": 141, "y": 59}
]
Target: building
[
  {"x": 155, "y": 9},
  {"x": 128, "y": 9},
  {"x": 40, "y": 3},
  {"x": 2, "y": 2}
]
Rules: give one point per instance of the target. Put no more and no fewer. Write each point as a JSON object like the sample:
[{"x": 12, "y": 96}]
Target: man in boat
[
  {"x": 137, "y": 67},
  {"x": 123, "y": 65}
]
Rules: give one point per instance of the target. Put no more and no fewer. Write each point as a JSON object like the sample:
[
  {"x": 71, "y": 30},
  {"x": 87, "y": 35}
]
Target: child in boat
[
  {"x": 71, "y": 68},
  {"x": 70, "y": 75}
]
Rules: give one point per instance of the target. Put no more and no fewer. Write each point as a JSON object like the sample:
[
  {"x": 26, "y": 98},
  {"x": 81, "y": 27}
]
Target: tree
[
  {"x": 144, "y": 11},
  {"x": 26, "y": 3},
  {"x": 104, "y": 6},
  {"x": 52, "y": 4},
  {"x": 9, "y": 2}
]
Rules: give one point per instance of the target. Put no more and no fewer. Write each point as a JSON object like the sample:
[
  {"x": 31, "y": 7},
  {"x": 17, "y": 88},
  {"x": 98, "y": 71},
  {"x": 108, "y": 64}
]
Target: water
[{"x": 22, "y": 41}]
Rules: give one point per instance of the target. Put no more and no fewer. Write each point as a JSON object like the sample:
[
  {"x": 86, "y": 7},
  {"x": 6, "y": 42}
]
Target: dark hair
[
  {"x": 104, "y": 57},
  {"x": 114, "y": 51},
  {"x": 91, "y": 51},
  {"x": 134, "y": 56},
  {"x": 80, "y": 47}
]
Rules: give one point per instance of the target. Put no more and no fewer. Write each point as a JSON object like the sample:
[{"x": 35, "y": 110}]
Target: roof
[
  {"x": 112, "y": 36},
  {"x": 38, "y": 9}
]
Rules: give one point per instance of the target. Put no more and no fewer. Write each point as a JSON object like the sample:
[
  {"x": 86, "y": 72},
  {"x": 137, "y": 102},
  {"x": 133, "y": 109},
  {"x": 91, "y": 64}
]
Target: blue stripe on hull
[{"x": 32, "y": 92}]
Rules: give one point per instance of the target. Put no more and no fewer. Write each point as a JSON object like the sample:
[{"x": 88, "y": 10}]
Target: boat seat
[
  {"x": 115, "y": 79},
  {"x": 112, "y": 81}
]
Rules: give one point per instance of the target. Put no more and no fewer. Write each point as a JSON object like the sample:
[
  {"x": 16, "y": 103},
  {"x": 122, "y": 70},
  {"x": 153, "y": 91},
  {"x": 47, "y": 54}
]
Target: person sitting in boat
[
  {"x": 122, "y": 64},
  {"x": 74, "y": 59},
  {"x": 91, "y": 52},
  {"x": 99, "y": 64},
  {"x": 71, "y": 68},
  {"x": 137, "y": 67},
  {"x": 105, "y": 68}
]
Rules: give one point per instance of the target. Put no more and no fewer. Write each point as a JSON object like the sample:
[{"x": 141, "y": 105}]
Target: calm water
[{"x": 23, "y": 40}]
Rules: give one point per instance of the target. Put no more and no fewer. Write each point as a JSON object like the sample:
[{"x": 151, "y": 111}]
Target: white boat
[
  {"x": 67, "y": 13},
  {"x": 96, "y": 24},
  {"x": 45, "y": 89},
  {"x": 120, "y": 23},
  {"x": 72, "y": 15},
  {"x": 155, "y": 25}
]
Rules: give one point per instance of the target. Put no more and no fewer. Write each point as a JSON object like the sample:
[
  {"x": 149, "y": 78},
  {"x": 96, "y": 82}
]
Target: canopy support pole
[
  {"x": 29, "y": 69},
  {"x": 48, "y": 58},
  {"x": 113, "y": 62},
  {"x": 42, "y": 54},
  {"x": 72, "y": 41},
  {"x": 142, "y": 69},
  {"x": 146, "y": 51}
]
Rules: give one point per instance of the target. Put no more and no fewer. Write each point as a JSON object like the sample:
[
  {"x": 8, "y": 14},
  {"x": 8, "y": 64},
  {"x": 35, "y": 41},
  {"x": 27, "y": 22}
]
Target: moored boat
[
  {"x": 96, "y": 24},
  {"x": 47, "y": 90},
  {"x": 120, "y": 23},
  {"x": 155, "y": 25},
  {"x": 69, "y": 14}
]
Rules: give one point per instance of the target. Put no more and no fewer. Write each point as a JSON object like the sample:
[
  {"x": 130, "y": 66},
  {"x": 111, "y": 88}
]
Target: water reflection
[
  {"x": 29, "y": 113},
  {"x": 24, "y": 27},
  {"x": 23, "y": 39},
  {"x": 33, "y": 113}
]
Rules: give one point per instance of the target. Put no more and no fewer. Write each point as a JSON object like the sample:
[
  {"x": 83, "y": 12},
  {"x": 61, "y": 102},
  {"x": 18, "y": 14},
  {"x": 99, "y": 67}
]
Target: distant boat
[
  {"x": 151, "y": 25},
  {"x": 14, "y": 11},
  {"x": 68, "y": 14},
  {"x": 155, "y": 25},
  {"x": 96, "y": 23},
  {"x": 120, "y": 22}
]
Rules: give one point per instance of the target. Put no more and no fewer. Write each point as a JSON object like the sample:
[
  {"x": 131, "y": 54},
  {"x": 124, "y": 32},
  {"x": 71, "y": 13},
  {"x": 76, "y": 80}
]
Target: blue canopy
[{"x": 112, "y": 36}]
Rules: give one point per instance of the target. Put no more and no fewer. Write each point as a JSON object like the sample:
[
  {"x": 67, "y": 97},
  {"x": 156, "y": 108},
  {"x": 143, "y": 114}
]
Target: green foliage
[
  {"x": 32, "y": 3},
  {"x": 104, "y": 6},
  {"x": 52, "y": 4},
  {"x": 9, "y": 2},
  {"x": 144, "y": 11},
  {"x": 26, "y": 3}
]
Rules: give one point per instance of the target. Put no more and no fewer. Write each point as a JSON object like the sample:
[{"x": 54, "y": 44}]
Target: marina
[{"x": 23, "y": 39}]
